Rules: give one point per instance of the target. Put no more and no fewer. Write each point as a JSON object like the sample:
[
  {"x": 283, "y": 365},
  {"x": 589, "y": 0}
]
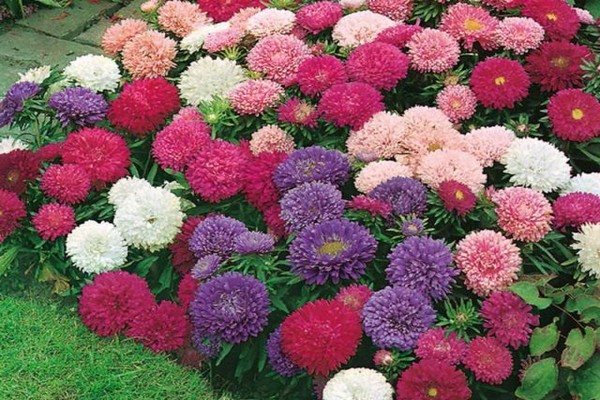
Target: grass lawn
[{"x": 47, "y": 354}]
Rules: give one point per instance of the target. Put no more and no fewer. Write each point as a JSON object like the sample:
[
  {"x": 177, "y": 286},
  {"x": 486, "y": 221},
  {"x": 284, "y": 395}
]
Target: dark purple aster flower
[
  {"x": 312, "y": 164},
  {"x": 206, "y": 267},
  {"x": 216, "y": 235},
  {"x": 208, "y": 347},
  {"x": 311, "y": 203},
  {"x": 277, "y": 358},
  {"x": 254, "y": 242},
  {"x": 81, "y": 106},
  {"x": 332, "y": 250},
  {"x": 395, "y": 317},
  {"x": 7, "y": 113},
  {"x": 412, "y": 227},
  {"x": 19, "y": 92},
  {"x": 422, "y": 264},
  {"x": 230, "y": 307},
  {"x": 405, "y": 195}
]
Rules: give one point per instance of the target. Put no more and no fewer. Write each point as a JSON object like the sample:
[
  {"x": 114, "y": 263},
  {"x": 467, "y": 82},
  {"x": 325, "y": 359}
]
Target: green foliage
[
  {"x": 586, "y": 383},
  {"x": 578, "y": 348},
  {"x": 543, "y": 339},
  {"x": 539, "y": 380}
]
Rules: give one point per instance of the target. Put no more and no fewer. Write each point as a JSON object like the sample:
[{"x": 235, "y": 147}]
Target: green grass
[{"x": 47, "y": 354}]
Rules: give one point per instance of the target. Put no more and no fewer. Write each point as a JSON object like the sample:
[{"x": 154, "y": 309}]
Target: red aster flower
[
  {"x": 103, "y": 154},
  {"x": 318, "y": 16},
  {"x": 575, "y": 115},
  {"x": 161, "y": 328},
  {"x": 557, "y": 65},
  {"x": 557, "y": 17},
  {"x": 317, "y": 74},
  {"x": 54, "y": 220},
  {"x": 112, "y": 301},
  {"x": 49, "y": 152},
  {"x": 355, "y": 296},
  {"x": 381, "y": 65},
  {"x": 298, "y": 112},
  {"x": 432, "y": 379},
  {"x": 186, "y": 290},
  {"x": 178, "y": 143},
  {"x": 575, "y": 209},
  {"x": 499, "y": 82},
  {"x": 12, "y": 210},
  {"x": 376, "y": 208},
  {"x": 350, "y": 104},
  {"x": 143, "y": 105},
  {"x": 508, "y": 319},
  {"x": 457, "y": 197},
  {"x": 222, "y": 10},
  {"x": 68, "y": 183},
  {"x": 17, "y": 168},
  {"x": 440, "y": 345},
  {"x": 259, "y": 188},
  {"x": 321, "y": 336},
  {"x": 181, "y": 257},
  {"x": 489, "y": 360},
  {"x": 398, "y": 35}
]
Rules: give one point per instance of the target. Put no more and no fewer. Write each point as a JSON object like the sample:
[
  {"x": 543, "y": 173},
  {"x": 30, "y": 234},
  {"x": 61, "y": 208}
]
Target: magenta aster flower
[
  {"x": 318, "y": 16},
  {"x": 298, "y": 112},
  {"x": 350, "y": 104},
  {"x": 355, "y": 296},
  {"x": 499, "y": 82},
  {"x": 432, "y": 379},
  {"x": 489, "y": 360},
  {"x": 317, "y": 74},
  {"x": 398, "y": 35},
  {"x": 575, "y": 209},
  {"x": 575, "y": 115},
  {"x": 440, "y": 345},
  {"x": 54, "y": 220},
  {"x": 378, "y": 64}
]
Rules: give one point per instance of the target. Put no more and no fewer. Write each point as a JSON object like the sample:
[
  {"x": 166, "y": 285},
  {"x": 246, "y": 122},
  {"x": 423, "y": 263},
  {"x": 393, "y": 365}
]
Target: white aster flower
[
  {"x": 207, "y": 78},
  {"x": 360, "y": 28},
  {"x": 96, "y": 247},
  {"x": 351, "y": 4},
  {"x": 150, "y": 219},
  {"x": 536, "y": 164},
  {"x": 194, "y": 40},
  {"x": 9, "y": 144},
  {"x": 125, "y": 187},
  {"x": 584, "y": 183},
  {"x": 98, "y": 73},
  {"x": 588, "y": 243},
  {"x": 271, "y": 21},
  {"x": 37, "y": 75},
  {"x": 358, "y": 384}
]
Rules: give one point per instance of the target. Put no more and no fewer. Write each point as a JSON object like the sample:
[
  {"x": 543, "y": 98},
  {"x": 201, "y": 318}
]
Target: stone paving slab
[
  {"x": 9, "y": 72},
  {"x": 93, "y": 36},
  {"x": 132, "y": 10},
  {"x": 66, "y": 23}
]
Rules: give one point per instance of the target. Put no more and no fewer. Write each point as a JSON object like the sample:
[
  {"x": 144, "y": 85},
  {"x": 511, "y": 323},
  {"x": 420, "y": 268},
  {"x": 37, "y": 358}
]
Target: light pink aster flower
[
  {"x": 380, "y": 137},
  {"x": 149, "y": 55},
  {"x": 255, "y": 96},
  {"x": 271, "y": 139},
  {"x": 470, "y": 24},
  {"x": 432, "y": 50},
  {"x": 451, "y": 165},
  {"x": 378, "y": 172},
  {"x": 117, "y": 36},
  {"x": 519, "y": 34},
  {"x": 181, "y": 17},
  {"x": 360, "y": 28},
  {"x": 489, "y": 144},
  {"x": 458, "y": 102}
]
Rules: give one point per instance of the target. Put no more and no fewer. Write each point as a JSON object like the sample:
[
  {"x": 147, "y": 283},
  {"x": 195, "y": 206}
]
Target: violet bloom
[
  {"x": 208, "y": 347},
  {"x": 205, "y": 267},
  {"x": 277, "y": 358},
  {"x": 15, "y": 99},
  {"x": 79, "y": 105},
  {"x": 406, "y": 195},
  {"x": 412, "y": 227},
  {"x": 216, "y": 235},
  {"x": 254, "y": 243}
]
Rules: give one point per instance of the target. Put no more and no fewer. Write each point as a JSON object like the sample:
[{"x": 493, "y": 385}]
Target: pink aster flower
[
  {"x": 278, "y": 57},
  {"x": 575, "y": 209},
  {"x": 557, "y": 17},
  {"x": 503, "y": 4},
  {"x": 317, "y": 74},
  {"x": 149, "y": 55},
  {"x": 499, "y": 82},
  {"x": 508, "y": 319},
  {"x": 176, "y": 145},
  {"x": 489, "y": 144},
  {"x": 117, "y": 35},
  {"x": 271, "y": 21},
  {"x": 376, "y": 208},
  {"x": 271, "y": 139},
  {"x": 585, "y": 17},
  {"x": 240, "y": 19},
  {"x": 398, "y": 35},
  {"x": 355, "y": 296},
  {"x": 318, "y": 16},
  {"x": 525, "y": 214},
  {"x": 255, "y": 96},
  {"x": 350, "y": 104},
  {"x": 383, "y": 358},
  {"x": 574, "y": 115},
  {"x": 379, "y": 64},
  {"x": 378, "y": 172},
  {"x": 69, "y": 183},
  {"x": 54, "y": 220},
  {"x": 222, "y": 40},
  {"x": 298, "y": 112},
  {"x": 519, "y": 34},
  {"x": 489, "y": 260},
  {"x": 470, "y": 24},
  {"x": 181, "y": 17},
  {"x": 446, "y": 165},
  {"x": 360, "y": 28},
  {"x": 189, "y": 114},
  {"x": 489, "y": 360},
  {"x": 457, "y": 197},
  {"x": 458, "y": 102},
  {"x": 380, "y": 137},
  {"x": 398, "y": 10},
  {"x": 432, "y": 50},
  {"x": 440, "y": 345}
]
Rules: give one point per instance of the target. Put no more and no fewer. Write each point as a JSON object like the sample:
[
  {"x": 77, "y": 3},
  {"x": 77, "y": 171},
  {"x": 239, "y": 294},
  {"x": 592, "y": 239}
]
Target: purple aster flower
[
  {"x": 206, "y": 267},
  {"x": 15, "y": 99},
  {"x": 216, "y": 235},
  {"x": 332, "y": 250},
  {"x": 208, "y": 347},
  {"x": 405, "y": 195},
  {"x": 395, "y": 317},
  {"x": 254, "y": 242},
  {"x": 422, "y": 264},
  {"x": 312, "y": 164},
  {"x": 412, "y": 227},
  {"x": 277, "y": 358},
  {"x": 7, "y": 113},
  {"x": 311, "y": 203},
  {"x": 230, "y": 307},
  {"x": 81, "y": 106}
]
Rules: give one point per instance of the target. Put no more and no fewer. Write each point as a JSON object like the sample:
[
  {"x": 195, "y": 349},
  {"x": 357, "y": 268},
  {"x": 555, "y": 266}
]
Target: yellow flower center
[
  {"x": 500, "y": 80},
  {"x": 472, "y": 25},
  {"x": 302, "y": 111},
  {"x": 560, "y": 62},
  {"x": 451, "y": 80},
  {"x": 577, "y": 114},
  {"x": 459, "y": 195},
  {"x": 434, "y": 146},
  {"x": 332, "y": 248},
  {"x": 455, "y": 104},
  {"x": 552, "y": 17},
  {"x": 432, "y": 392}
]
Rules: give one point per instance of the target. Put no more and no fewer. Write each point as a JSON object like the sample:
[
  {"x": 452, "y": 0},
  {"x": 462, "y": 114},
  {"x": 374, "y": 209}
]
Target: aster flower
[
  {"x": 17, "y": 169},
  {"x": 149, "y": 54},
  {"x": 523, "y": 213},
  {"x": 82, "y": 106},
  {"x": 503, "y": 4},
  {"x": 126, "y": 187},
  {"x": 318, "y": 16},
  {"x": 216, "y": 235},
  {"x": 317, "y": 74},
  {"x": 587, "y": 244},
  {"x": 574, "y": 115},
  {"x": 470, "y": 24},
  {"x": 380, "y": 137},
  {"x": 405, "y": 195},
  {"x": 259, "y": 189},
  {"x": 12, "y": 210},
  {"x": 376, "y": 208},
  {"x": 575, "y": 209},
  {"x": 383, "y": 358},
  {"x": 458, "y": 102},
  {"x": 584, "y": 183},
  {"x": 221, "y": 10},
  {"x": 457, "y": 197},
  {"x": 231, "y": 307},
  {"x": 332, "y": 250},
  {"x": 96, "y": 247},
  {"x": 398, "y": 35},
  {"x": 355, "y": 296},
  {"x": 557, "y": 17},
  {"x": 68, "y": 183},
  {"x": 14, "y": 100},
  {"x": 412, "y": 227},
  {"x": 298, "y": 112},
  {"x": 398, "y": 11},
  {"x": 208, "y": 347},
  {"x": 54, "y": 220},
  {"x": 278, "y": 360},
  {"x": 422, "y": 264},
  {"x": 508, "y": 318},
  {"x": 352, "y": 4},
  {"x": 311, "y": 203},
  {"x": 489, "y": 144},
  {"x": 112, "y": 301},
  {"x": 36, "y": 75},
  {"x": 489, "y": 260},
  {"x": 358, "y": 383},
  {"x": 395, "y": 317},
  {"x": 429, "y": 379},
  {"x": 519, "y": 34},
  {"x": 9, "y": 144},
  {"x": 254, "y": 243},
  {"x": 206, "y": 267},
  {"x": 432, "y": 50},
  {"x": 98, "y": 73},
  {"x": 253, "y": 97},
  {"x": 499, "y": 82},
  {"x": 536, "y": 164},
  {"x": 240, "y": 18},
  {"x": 359, "y": 28},
  {"x": 271, "y": 138},
  {"x": 118, "y": 34},
  {"x": 195, "y": 40},
  {"x": 442, "y": 346},
  {"x": 321, "y": 336},
  {"x": 162, "y": 328},
  {"x": 489, "y": 360},
  {"x": 378, "y": 64},
  {"x": 585, "y": 17},
  {"x": 350, "y": 104},
  {"x": 49, "y": 152},
  {"x": 181, "y": 17},
  {"x": 223, "y": 40},
  {"x": 378, "y": 172},
  {"x": 207, "y": 78},
  {"x": 176, "y": 145},
  {"x": 186, "y": 290},
  {"x": 271, "y": 21}
]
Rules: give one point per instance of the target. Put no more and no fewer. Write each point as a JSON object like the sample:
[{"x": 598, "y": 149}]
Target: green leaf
[
  {"x": 6, "y": 259},
  {"x": 544, "y": 339},
  {"x": 593, "y": 6},
  {"x": 579, "y": 348},
  {"x": 586, "y": 382},
  {"x": 530, "y": 294},
  {"x": 15, "y": 7},
  {"x": 539, "y": 380}
]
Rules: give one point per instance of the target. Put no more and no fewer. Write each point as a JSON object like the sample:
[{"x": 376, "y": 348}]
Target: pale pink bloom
[
  {"x": 458, "y": 102},
  {"x": 117, "y": 35},
  {"x": 181, "y": 17},
  {"x": 398, "y": 10},
  {"x": 149, "y": 6},
  {"x": 240, "y": 18},
  {"x": 352, "y": 4},
  {"x": 489, "y": 144},
  {"x": 432, "y": 50},
  {"x": 360, "y": 28},
  {"x": 271, "y": 21},
  {"x": 255, "y": 96},
  {"x": 380, "y": 137},
  {"x": 221, "y": 40},
  {"x": 271, "y": 139},
  {"x": 149, "y": 55},
  {"x": 585, "y": 16},
  {"x": 378, "y": 172},
  {"x": 519, "y": 34},
  {"x": 451, "y": 165}
]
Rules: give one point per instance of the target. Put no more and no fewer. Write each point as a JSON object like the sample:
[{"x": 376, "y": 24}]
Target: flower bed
[{"x": 367, "y": 200}]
